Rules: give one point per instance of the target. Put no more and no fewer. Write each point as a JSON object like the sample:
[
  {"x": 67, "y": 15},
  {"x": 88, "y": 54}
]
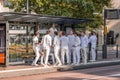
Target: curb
[
  {"x": 42, "y": 70},
  {"x": 90, "y": 65}
]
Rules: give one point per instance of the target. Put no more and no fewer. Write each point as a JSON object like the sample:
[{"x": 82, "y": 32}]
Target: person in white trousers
[
  {"x": 84, "y": 45},
  {"x": 35, "y": 49},
  {"x": 76, "y": 51},
  {"x": 64, "y": 48},
  {"x": 47, "y": 45},
  {"x": 71, "y": 43},
  {"x": 56, "y": 45},
  {"x": 93, "y": 41}
]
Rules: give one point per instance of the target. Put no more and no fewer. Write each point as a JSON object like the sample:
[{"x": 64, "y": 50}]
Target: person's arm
[
  {"x": 87, "y": 41},
  {"x": 78, "y": 42},
  {"x": 50, "y": 41}
]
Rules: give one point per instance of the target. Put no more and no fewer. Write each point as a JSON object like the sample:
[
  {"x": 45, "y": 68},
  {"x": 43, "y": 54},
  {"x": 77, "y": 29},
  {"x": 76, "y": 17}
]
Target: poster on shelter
[{"x": 2, "y": 43}]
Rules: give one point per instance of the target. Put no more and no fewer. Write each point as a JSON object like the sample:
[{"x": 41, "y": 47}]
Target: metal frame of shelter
[{"x": 8, "y": 18}]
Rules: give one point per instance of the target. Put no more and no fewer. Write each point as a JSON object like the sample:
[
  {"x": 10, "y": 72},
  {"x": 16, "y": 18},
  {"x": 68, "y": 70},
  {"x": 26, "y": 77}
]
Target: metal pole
[
  {"x": 27, "y": 6},
  {"x": 27, "y": 40},
  {"x": 104, "y": 54},
  {"x": 117, "y": 51}
]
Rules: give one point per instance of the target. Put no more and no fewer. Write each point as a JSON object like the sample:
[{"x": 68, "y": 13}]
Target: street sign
[{"x": 112, "y": 14}]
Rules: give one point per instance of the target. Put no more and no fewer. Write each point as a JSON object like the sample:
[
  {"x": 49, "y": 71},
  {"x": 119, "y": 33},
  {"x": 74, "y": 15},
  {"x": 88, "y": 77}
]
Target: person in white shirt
[
  {"x": 71, "y": 43},
  {"x": 56, "y": 45},
  {"x": 84, "y": 45},
  {"x": 64, "y": 41},
  {"x": 36, "y": 49},
  {"x": 93, "y": 41},
  {"x": 47, "y": 45},
  {"x": 52, "y": 30},
  {"x": 76, "y": 50}
]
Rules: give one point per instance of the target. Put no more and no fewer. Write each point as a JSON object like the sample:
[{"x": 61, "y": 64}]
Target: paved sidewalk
[{"x": 23, "y": 70}]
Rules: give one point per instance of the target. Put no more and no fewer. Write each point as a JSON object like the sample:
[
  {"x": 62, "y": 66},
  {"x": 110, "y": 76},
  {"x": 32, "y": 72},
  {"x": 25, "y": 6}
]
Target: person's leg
[
  {"x": 67, "y": 55},
  {"x": 93, "y": 54},
  {"x": 56, "y": 52},
  {"x": 85, "y": 55},
  {"x": 42, "y": 58},
  {"x": 70, "y": 53},
  {"x": 74, "y": 56},
  {"x": 37, "y": 56},
  {"x": 78, "y": 55},
  {"x": 63, "y": 56},
  {"x": 47, "y": 55}
]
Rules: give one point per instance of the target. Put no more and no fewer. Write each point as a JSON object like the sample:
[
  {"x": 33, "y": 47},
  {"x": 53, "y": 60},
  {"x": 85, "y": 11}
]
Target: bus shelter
[{"x": 17, "y": 29}]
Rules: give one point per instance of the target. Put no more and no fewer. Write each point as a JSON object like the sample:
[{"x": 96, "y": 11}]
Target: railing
[{"x": 17, "y": 51}]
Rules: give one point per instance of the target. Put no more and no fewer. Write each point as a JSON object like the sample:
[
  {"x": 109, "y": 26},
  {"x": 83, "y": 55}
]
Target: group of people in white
[{"x": 67, "y": 49}]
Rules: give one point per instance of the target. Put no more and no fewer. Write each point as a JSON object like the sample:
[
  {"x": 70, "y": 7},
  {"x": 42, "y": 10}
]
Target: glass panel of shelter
[{"x": 17, "y": 45}]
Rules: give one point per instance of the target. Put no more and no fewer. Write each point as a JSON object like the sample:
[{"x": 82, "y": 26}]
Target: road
[{"x": 101, "y": 73}]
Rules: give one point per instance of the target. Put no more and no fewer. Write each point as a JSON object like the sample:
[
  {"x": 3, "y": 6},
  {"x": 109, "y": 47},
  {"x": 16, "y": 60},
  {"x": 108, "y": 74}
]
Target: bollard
[
  {"x": 117, "y": 51},
  {"x": 104, "y": 52},
  {"x": 89, "y": 50},
  {"x": 96, "y": 53}
]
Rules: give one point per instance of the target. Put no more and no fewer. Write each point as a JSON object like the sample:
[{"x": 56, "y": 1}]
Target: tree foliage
[{"x": 68, "y": 8}]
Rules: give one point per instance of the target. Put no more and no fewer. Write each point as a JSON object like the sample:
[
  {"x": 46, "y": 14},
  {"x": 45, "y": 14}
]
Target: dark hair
[
  {"x": 76, "y": 33},
  {"x": 39, "y": 41},
  {"x": 36, "y": 33},
  {"x": 84, "y": 32},
  {"x": 63, "y": 33},
  {"x": 48, "y": 32},
  {"x": 56, "y": 33},
  {"x": 92, "y": 33}
]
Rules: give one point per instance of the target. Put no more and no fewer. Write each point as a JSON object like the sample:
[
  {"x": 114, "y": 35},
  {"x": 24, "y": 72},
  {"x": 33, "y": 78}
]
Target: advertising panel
[{"x": 2, "y": 44}]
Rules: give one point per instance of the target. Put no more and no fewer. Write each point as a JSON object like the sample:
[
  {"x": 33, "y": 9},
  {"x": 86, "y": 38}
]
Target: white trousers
[
  {"x": 56, "y": 52},
  {"x": 47, "y": 55},
  {"x": 37, "y": 55},
  {"x": 93, "y": 51},
  {"x": 65, "y": 51},
  {"x": 42, "y": 58},
  {"x": 84, "y": 55},
  {"x": 76, "y": 55}
]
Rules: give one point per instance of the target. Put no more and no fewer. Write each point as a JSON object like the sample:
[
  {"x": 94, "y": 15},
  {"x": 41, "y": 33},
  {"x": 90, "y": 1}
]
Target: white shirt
[
  {"x": 71, "y": 40},
  {"x": 84, "y": 41},
  {"x": 56, "y": 41},
  {"x": 52, "y": 30},
  {"x": 77, "y": 41},
  {"x": 64, "y": 41},
  {"x": 93, "y": 41},
  {"x": 35, "y": 40},
  {"x": 47, "y": 41}
]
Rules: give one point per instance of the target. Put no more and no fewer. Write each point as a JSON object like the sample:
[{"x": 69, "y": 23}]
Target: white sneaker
[
  {"x": 73, "y": 64},
  {"x": 77, "y": 64},
  {"x": 60, "y": 64},
  {"x": 46, "y": 66},
  {"x": 42, "y": 64},
  {"x": 36, "y": 65},
  {"x": 92, "y": 60}
]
